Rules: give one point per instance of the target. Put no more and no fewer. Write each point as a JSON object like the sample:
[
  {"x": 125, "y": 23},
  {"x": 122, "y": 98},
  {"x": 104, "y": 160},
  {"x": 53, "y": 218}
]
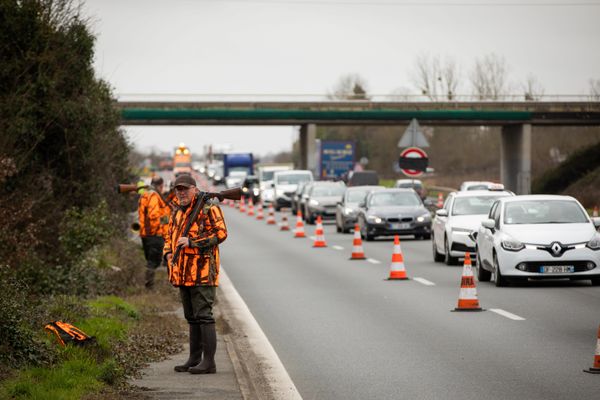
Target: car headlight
[
  {"x": 244, "y": 189},
  {"x": 217, "y": 177},
  {"x": 313, "y": 202},
  {"x": 348, "y": 211},
  {"x": 594, "y": 243},
  {"x": 424, "y": 217},
  {"x": 255, "y": 191},
  {"x": 374, "y": 219},
  {"x": 511, "y": 244}
]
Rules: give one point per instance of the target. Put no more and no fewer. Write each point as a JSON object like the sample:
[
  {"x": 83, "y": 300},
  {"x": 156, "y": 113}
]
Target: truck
[
  {"x": 182, "y": 160},
  {"x": 242, "y": 164}
]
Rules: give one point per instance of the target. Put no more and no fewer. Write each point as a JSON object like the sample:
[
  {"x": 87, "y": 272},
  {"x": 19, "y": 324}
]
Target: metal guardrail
[{"x": 320, "y": 97}]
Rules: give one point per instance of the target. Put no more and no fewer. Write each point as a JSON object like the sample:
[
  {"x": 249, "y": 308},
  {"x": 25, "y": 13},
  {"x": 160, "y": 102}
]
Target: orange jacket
[
  {"x": 153, "y": 214},
  {"x": 198, "y": 265}
]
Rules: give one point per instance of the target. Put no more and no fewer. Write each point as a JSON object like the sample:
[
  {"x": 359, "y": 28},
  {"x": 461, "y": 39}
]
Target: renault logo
[{"x": 556, "y": 248}]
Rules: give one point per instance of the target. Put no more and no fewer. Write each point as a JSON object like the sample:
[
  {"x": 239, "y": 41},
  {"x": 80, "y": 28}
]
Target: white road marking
[
  {"x": 313, "y": 238},
  {"x": 373, "y": 261},
  {"x": 336, "y": 247},
  {"x": 507, "y": 314},
  {"x": 424, "y": 281}
]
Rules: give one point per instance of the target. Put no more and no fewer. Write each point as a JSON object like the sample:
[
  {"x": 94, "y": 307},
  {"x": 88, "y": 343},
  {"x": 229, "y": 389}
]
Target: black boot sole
[{"x": 202, "y": 371}]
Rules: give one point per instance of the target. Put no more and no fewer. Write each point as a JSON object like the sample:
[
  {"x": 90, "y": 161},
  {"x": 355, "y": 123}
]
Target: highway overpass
[{"x": 516, "y": 119}]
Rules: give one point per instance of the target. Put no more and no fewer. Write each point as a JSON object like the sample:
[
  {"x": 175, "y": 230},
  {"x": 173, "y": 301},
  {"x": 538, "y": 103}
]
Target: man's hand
[{"x": 183, "y": 241}]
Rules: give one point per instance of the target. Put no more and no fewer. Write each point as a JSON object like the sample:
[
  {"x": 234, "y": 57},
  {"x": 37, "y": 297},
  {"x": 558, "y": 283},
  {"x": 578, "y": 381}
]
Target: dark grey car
[
  {"x": 394, "y": 212},
  {"x": 347, "y": 209}
]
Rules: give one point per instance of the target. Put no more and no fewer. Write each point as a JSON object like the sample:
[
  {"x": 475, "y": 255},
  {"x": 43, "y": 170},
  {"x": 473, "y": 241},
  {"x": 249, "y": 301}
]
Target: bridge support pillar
[
  {"x": 308, "y": 147},
  {"x": 515, "y": 158}
]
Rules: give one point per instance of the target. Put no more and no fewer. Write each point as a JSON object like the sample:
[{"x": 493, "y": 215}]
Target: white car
[
  {"x": 235, "y": 179},
  {"x": 453, "y": 224},
  {"x": 285, "y": 184},
  {"x": 540, "y": 237},
  {"x": 480, "y": 185}
]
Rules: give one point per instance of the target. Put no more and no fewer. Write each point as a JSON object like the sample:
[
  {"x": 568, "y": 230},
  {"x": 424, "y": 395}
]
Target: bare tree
[
  {"x": 489, "y": 77},
  {"x": 401, "y": 94},
  {"x": 435, "y": 78},
  {"x": 532, "y": 88},
  {"x": 350, "y": 87},
  {"x": 595, "y": 89}
]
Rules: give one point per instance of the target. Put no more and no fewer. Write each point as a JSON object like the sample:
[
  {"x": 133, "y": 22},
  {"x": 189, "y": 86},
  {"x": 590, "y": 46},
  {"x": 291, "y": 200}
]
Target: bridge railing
[{"x": 320, "y": 97}]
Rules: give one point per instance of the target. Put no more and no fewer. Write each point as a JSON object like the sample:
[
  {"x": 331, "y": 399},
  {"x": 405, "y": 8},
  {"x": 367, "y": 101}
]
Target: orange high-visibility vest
[{"x": 153, "y": 214}]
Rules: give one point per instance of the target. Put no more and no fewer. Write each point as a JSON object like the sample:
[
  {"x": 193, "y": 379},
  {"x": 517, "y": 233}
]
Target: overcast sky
[{"x": 303, "y": 47}]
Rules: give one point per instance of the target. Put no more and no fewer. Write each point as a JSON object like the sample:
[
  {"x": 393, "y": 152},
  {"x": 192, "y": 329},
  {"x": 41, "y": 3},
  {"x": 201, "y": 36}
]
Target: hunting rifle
[{"x": 231, "y": 194}]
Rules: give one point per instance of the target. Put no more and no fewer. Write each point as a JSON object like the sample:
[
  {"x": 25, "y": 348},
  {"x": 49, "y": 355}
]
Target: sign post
[{"x": 413, "y": 162}]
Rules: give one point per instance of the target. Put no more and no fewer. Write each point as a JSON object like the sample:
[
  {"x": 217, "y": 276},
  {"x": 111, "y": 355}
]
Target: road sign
[
  {"x": 413, "y": 137},
  {"x": 336, "y": 158},
  {"x": 413, "y": 161}
]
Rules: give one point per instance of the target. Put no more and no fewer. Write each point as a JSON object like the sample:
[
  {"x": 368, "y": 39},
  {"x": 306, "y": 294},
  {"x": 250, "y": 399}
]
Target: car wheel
[
  {"x": 448, "y": 259},
  {"x": 437, "y": 257},
  {"x": 595, "y": 281},
  {"x": 483, "y": 275},
  {"x": 499, "y": 280},
  {"x": 277, "y": 208}
]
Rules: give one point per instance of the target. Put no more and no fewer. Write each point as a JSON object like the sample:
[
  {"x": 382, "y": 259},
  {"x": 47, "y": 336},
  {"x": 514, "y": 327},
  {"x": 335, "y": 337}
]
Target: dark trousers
[
  {"x": 153, "y": 250},
  {"x": 198, "y": 303}
]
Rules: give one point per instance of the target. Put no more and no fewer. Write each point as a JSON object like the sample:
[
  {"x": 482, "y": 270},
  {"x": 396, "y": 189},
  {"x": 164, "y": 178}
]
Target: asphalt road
[{"x": 343, "y": 331}]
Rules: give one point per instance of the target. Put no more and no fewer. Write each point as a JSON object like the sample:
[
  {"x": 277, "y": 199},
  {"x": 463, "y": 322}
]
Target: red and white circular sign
[{"x": 412, "y": 152}]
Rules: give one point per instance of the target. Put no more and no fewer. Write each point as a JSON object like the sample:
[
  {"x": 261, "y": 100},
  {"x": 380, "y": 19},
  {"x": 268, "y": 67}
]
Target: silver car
[
  {"x": 321, "y": 200},
  {"x": 539, "y": 237}
]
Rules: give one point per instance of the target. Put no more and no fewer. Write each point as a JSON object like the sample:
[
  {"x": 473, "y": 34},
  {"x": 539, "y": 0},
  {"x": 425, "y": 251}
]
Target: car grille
[
  {"x": 405, "y": 219},
  {"x": 534, "y": 266},
  {"x": 289, "y": 194},
  {"x": 456, "y": 246}
]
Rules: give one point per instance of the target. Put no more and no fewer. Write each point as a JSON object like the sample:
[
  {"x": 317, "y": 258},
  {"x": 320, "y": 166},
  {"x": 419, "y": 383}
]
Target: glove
[{"x": 205, "y": 243}]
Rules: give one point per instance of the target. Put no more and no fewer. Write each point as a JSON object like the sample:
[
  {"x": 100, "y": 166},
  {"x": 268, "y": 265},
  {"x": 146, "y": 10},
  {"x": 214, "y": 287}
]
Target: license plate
[
  {"x": 557, "y": 269},
  {"x": 401, "y": 226}
]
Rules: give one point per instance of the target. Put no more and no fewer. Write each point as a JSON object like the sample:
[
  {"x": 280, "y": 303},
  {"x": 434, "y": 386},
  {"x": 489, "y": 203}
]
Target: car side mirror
[
  {"x": 339, "y": 203},
  {"x": 441, "y": 212},
  {"x": 596, "y": 222},
  {"x": 488, "y": 223}
]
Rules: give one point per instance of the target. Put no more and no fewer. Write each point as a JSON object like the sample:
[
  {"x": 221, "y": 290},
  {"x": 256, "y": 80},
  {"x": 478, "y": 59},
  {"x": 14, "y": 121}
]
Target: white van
[
  {"x": 265, "y": 174},
  {"x": 285, "y": 184}
]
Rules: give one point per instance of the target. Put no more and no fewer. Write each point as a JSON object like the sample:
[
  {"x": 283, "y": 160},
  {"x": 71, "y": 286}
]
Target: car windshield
[
  {"x": 292, "y": 179},
  {"x": 410, "y": 185},
  {"x": 328, "y": 191},
  {"x": 395, "y": 199},
  {"x": 543, "y": 212},
  {"x": 267, "y": 175},
  {"x": 475, "y": 205},
  {"x": 356, "y": 196}
]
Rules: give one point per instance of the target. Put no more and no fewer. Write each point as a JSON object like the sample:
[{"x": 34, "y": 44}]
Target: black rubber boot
[
  {"x": 150, "y": 278},
  {"x": 195, "y": 349},
  {"x": 209, "y": 345}
]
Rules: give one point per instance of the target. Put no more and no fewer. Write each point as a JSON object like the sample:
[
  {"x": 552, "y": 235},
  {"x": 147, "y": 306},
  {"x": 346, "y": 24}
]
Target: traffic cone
[
  {"x": 250, "y": 207},
  {"x": 596, "y": 368},
  {"x": 242, "y": 205},
  {"x": 320, "y": 237},
  {"x": 259, "y": 214},
  {"x": 284, "y": 226},
  {"x": 271, "y": 216},
  {"x": 467, "y": 299},
  {"x": 595, "y": 212},
  {"x": 397, "y": 270},
  {"x": 299, "y": 231},
  {"x": 357, "y": 250},
  {"x": 440, "y": 201}
]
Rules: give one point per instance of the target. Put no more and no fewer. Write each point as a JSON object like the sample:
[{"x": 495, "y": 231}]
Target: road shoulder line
[
  {"x": 253, "y": 350},
  {"x": 424, "y": 281},
  {"x": 507, "y": 314}
]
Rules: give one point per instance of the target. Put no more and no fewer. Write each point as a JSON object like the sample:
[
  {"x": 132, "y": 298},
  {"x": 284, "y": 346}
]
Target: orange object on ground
[
  {"x": 596, "y": 368},
  {"x": 467, "y": 299},
  {"x": 242, "y": 205},
  {"x": 397, "y": 270},
  {"x": 440, "y": 201},
  {"x": 357, "y": 249},
  {"x": 250, "y": 207},
  {"x": 271, "y": 216},
  {"x": 284, "y": 226},
  {"x": 259, "y": 214},
  {"x": 299, "y": 231},
  {"x": 320, "y": 237}
]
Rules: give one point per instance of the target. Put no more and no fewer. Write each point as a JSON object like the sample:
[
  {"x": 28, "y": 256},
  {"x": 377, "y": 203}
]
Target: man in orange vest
[
  {"x": 153, "y": 213},
  {"x": 196, "y": 271}
]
